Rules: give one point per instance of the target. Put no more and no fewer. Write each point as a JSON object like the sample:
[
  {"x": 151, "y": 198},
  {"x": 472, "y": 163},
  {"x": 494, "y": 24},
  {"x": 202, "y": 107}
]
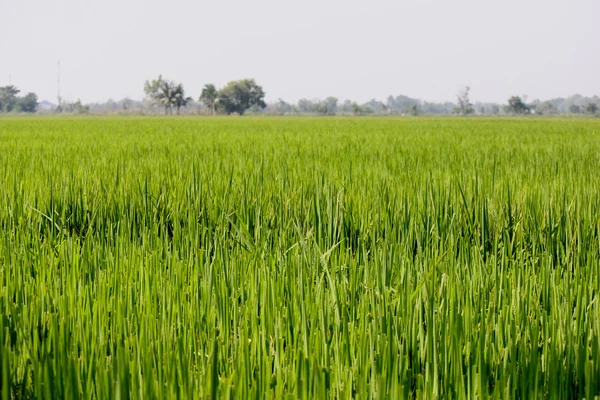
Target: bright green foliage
[{"x": 299, "y": 258}]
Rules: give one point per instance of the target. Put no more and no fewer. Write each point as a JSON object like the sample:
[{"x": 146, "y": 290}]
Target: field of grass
[{"x": 299, "y": 258}]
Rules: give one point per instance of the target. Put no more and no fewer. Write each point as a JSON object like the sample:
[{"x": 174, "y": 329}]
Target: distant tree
[
  {"x": 330, "y": 105},
  {"x": 414, "y": 110},
  {"x": 283, "y": 108},
  {"x": 239, "y": 96},
  {"x": 166, "y": 96},
  {"x": 76, "y": 107},
  {"x": 346, "y": 106},
  {"x": 361, "y": 110},
  {"x": 8, "y": 98},
  {"x": 180, "y": 99},
  {"x": 303, "y": 106},
  {"x": 495, "y": 109},
  {"x": 574, "y": 109},
  {"x": 209, "y": 97},
  {"x": 151, "y": 89},
  {"x": 517, "y": 106},
  {"x": 464, "y": 102},
  {"x": 591, "y": 108},
  {"x": 399, "y": 104},
  {"x": 112, "y": 105},
  {"x": 79, "y": 108},
  {"x": 377, "y": 106},
  {"x": 164, "y": 93},
  {"x": 28, "y": 103},
  {"x": 547, "y": 108}
]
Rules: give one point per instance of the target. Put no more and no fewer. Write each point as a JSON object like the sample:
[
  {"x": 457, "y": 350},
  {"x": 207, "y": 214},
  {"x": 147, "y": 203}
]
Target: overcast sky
[{"x": 311, "y": 48}]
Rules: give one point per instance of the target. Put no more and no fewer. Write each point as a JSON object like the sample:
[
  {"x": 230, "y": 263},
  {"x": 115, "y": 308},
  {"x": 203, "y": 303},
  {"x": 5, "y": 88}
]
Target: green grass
[{"x": 299, "y": 258}]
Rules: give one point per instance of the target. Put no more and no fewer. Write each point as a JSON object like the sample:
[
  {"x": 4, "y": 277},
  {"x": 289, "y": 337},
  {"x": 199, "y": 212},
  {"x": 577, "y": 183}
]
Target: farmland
[{"x": 299, "y": 258}]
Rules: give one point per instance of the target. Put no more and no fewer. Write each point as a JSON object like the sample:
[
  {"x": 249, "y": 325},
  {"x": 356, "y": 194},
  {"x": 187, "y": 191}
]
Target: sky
[{"x": 349, "y": 49}]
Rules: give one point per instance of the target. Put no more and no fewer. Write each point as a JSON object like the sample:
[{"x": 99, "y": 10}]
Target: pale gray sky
[{"x": 312, "y": 48}]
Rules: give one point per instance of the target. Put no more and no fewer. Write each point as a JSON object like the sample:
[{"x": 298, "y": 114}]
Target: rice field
[{"x": 299, "y": 258}]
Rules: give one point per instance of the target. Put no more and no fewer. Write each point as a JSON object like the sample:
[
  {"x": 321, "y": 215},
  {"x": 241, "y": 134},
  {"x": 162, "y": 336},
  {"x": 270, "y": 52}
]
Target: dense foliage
[
  {"x": 10, "y": 101},
  {"x": 261, "y": 257}
]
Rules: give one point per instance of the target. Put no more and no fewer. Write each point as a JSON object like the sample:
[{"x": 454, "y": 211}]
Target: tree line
[
  {"x": 235, "y": 97},
  {"x": 11, "y": 101},
  {"x": 245, "y": 96}
]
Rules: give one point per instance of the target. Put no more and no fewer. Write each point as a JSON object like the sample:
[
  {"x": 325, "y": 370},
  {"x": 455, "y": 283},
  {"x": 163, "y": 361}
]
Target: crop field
[{"x": 299, "y": 258}]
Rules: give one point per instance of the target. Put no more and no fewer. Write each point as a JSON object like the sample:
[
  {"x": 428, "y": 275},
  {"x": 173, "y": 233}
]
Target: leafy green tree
[
  {"x": 209, "y": 96},
  {"x": 591, "y": 108},
  {"x": 28, "y": 103},
  {"x": 517, "y": 106},
  {"x": 239, "y": 96},
  {"x": 8, "y": 98},
  {"x": 574, "y": 109}
]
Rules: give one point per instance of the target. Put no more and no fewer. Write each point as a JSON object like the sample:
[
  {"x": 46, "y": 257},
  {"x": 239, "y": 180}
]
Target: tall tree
[
  {"x": 209, "y": 96},
  {"x": 239, "y": 96},
  {"x": 591, "y": 108}
]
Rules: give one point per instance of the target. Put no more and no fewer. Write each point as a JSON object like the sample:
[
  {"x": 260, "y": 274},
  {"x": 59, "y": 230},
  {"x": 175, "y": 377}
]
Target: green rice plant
[{"x": 299, "y": 258}]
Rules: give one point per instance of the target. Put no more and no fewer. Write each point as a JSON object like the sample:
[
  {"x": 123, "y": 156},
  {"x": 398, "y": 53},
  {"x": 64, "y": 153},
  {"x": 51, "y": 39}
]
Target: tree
[
  {"x": 330, "y": 105},
  {"x": 166, "y": 96},
  {"x": 239, "y": 96},
  {"x": 209, "y": 96},
  {"x": 464, "y": 103},
  {"x": 516, "y": 106},
  {"x": 591, "y": 108},
  {"x": 28, "y": 103},
  {"x": 414, "y": 110},
  {"x": 8, "y": 98},
  {"x": 161, "y": 92},
  {"x": 361, "y": 110},
  {"x": 280, "y": 108},
  {"x": 574, "y": 109},
  {"x": 547, "y": 108},
  {"x": 79, "y": 108},
  {"x": 151, "y": 88},
  {"x": 180, "y": 99}
]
